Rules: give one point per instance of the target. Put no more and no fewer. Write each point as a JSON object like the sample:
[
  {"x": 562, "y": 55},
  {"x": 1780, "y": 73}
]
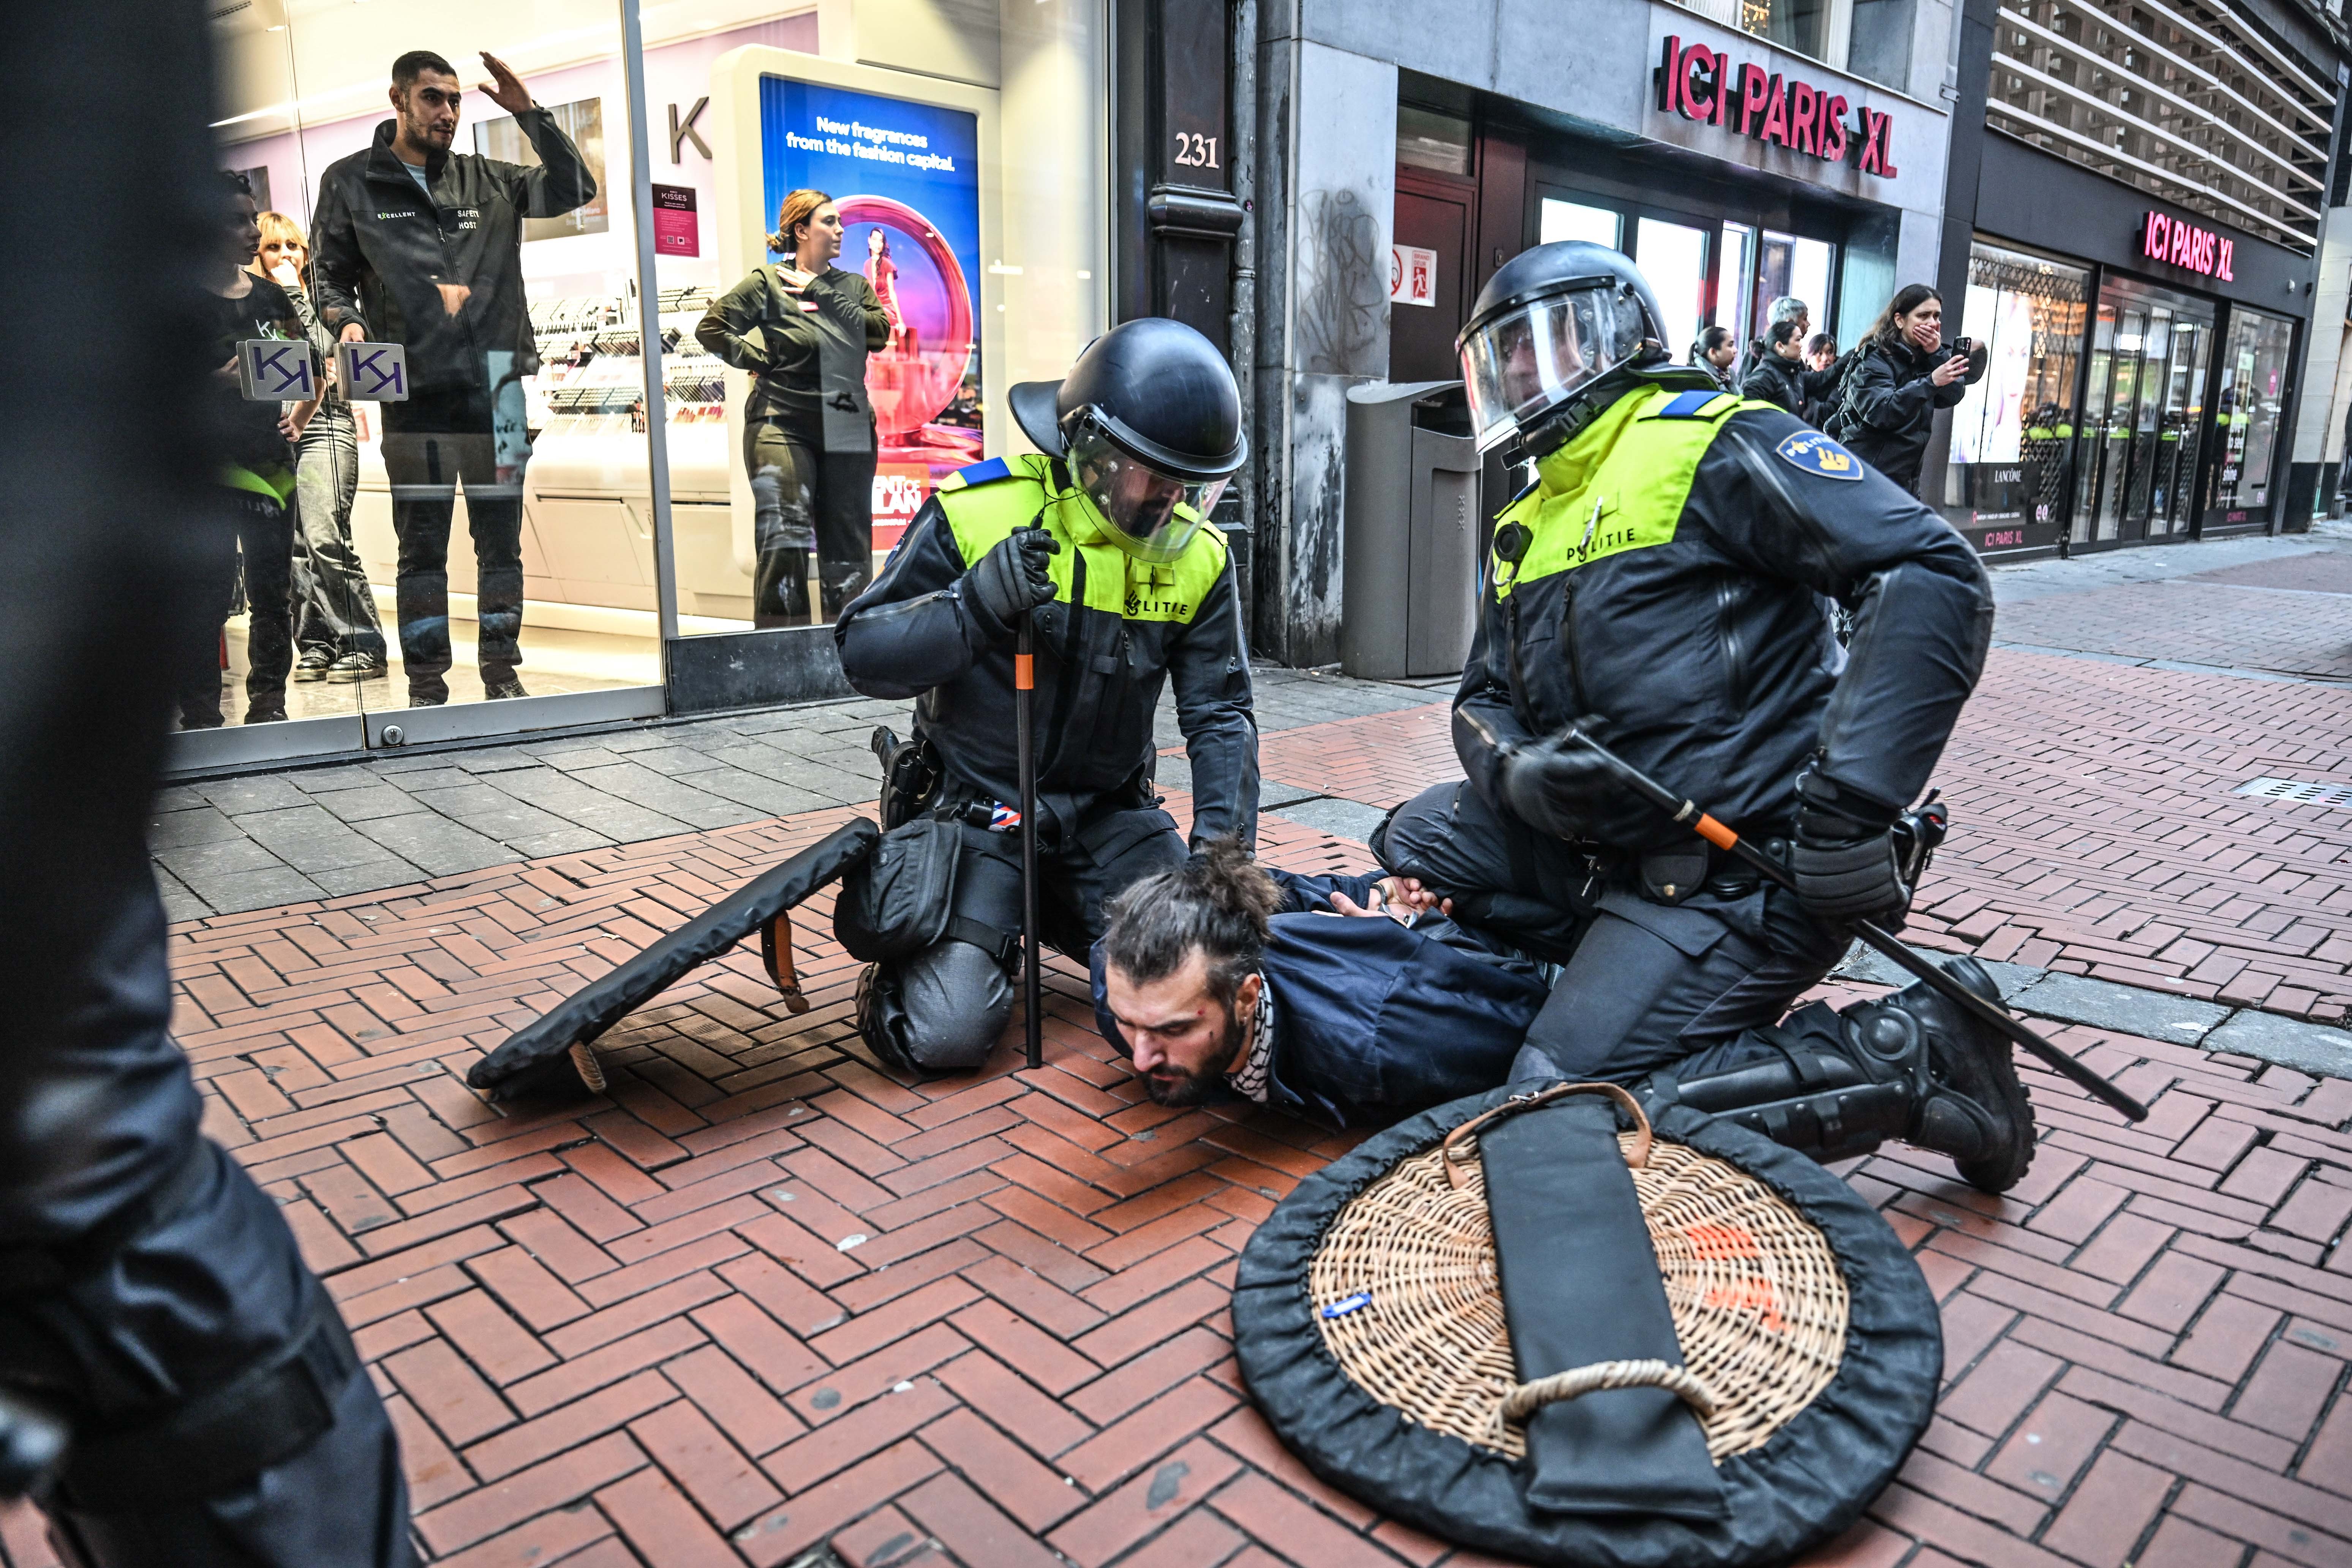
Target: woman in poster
[
  {"x": 802, "y": 327},
  {"x": 883, "y": 273}
]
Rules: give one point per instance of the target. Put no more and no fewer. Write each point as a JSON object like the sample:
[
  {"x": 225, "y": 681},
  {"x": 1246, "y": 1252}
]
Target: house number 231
[{"x": 1196, "y": 152}]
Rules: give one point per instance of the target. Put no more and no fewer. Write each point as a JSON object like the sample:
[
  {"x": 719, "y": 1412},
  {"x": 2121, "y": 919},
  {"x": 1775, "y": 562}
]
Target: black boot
[
  {"x": 1909, "y": 1066},
  {"x": 1975, "y": 1108}
]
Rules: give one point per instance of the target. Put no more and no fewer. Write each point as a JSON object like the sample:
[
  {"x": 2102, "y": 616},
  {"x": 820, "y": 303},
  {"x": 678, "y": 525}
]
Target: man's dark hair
[
  {"x": 1216, "y": 904},
  {"x": 236, "y": 183},
  {"x": 415, "y": 63}
]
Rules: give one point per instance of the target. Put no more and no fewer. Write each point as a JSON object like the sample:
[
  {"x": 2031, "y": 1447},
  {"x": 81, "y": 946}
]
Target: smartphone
[{"x": 1963, "y": 347}]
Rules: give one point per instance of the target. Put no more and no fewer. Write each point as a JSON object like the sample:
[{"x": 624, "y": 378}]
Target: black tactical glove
[
  {"x": 1845, "y": 859},
  {"x": 1563, "y": 788},
  {"x": 1010, "y": 580}
]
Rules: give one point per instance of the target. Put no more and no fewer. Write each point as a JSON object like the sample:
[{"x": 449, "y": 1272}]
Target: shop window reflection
[
  {"x": 2014, "y": 435},
  {"x": 2254, "y": 365},
  {"x": 1562, "y": 220}
]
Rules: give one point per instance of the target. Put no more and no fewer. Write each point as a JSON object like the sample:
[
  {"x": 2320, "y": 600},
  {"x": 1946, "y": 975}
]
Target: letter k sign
[
  {"x": 373, "y": 373},
  {"x": 277, "y": 371}
]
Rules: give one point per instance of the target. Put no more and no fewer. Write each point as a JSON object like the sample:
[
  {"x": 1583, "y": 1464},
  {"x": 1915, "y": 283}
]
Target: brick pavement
[{"x": 759, "y": 1296}]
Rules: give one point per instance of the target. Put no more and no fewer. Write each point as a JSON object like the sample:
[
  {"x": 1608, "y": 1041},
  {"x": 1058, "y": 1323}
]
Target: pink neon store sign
[
  {"x": 2166, "y": 238},
  {"x": 1700, "y": 83}
]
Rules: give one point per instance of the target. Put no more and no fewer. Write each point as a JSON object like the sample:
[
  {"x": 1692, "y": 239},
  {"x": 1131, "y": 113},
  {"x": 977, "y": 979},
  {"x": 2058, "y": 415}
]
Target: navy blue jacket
[{"x": 1374, "y": 1021}]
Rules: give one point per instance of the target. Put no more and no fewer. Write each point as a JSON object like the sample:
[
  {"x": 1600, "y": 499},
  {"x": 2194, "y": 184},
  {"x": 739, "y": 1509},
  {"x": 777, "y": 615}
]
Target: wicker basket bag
[{"x": 1370, "y": 1321}]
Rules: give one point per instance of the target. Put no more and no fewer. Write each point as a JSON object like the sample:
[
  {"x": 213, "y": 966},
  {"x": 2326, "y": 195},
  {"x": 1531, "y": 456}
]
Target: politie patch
[{"x": 1815, "y": 454}]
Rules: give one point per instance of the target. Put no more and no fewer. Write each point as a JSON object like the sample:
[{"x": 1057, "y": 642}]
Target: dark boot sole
[{"x": 1996, "y": 1174}]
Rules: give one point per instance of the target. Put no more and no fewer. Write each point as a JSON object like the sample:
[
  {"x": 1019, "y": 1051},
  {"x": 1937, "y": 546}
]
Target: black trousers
[
  {"x": 1529, "y": 886},
  {"x": 262, "y": 530},
  {"x": 806, "y": 499},
  {"x": 958, "y": 995},
  {"x": 432, "y": 443},
  {"x": 183, "y": 1307},
  {"x": 1646, "y": 985}
]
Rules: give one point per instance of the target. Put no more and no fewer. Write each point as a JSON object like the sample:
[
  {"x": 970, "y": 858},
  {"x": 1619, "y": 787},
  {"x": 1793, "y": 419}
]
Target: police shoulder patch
[
  {"x": 1811, "y": 452},
  {"x": 978, "y": 474}
]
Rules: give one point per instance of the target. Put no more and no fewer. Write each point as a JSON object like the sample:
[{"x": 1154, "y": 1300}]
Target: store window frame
[
  {"x": 2202, "y": 519},
  {"x": 1710, "y": 221},
  {"x": 690, "y": 674}
]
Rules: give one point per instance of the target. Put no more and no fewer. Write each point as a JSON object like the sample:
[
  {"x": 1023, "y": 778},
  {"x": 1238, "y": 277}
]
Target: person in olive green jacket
[{"x": 808, "y": 427}]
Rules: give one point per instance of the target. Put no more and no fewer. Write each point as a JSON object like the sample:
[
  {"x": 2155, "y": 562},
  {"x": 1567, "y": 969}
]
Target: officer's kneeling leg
[
  {"x": 1837, "y": 1084},
  {"x": 941, "y": 1009},
  {"x": 1501, "y": 877},
  {"x": 219, "y": 1413},
  {"x": 957, "y": 998}
]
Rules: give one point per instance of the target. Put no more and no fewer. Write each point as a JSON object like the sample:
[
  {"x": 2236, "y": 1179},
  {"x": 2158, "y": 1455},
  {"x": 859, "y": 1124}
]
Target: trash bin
[{"x": 1410, "y": 578}]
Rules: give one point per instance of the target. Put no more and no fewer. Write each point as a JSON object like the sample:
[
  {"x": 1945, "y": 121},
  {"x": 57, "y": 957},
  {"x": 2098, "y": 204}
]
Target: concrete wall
[
  {"x": 1324, "y": 200},
  {"x": 1325, "y": 174}
]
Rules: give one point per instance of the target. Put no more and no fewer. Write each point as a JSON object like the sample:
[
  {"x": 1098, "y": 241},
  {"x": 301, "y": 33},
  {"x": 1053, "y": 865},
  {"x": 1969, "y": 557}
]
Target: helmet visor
[
  {"x": 1522, "y": 362},
  {"x": 1151, "y": 515}
]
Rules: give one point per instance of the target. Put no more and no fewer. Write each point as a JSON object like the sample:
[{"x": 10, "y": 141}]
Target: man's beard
[{"x": 1177, "y": 1089}]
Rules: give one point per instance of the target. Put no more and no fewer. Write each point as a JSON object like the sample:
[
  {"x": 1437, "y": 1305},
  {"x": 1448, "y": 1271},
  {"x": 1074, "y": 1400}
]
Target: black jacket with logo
[
  {"x": 1709, "y": 655},
  {"x": 380, "y": 249},
  {"x": 1099, "y": 672}
]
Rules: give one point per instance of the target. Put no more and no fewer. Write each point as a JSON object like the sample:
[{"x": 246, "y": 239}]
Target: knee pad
[{"x": 940, "y": 1011}]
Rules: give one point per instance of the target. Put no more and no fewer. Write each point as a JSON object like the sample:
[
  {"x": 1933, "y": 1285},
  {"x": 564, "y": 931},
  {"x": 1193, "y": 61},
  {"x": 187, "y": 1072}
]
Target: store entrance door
[{"x": 2149, "y": 353}]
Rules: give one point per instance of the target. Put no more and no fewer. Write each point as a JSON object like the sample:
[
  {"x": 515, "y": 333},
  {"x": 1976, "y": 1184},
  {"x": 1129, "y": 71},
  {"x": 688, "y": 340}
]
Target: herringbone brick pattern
[
  {"x": 759, "y": 1296},
  {"x": 2214, "y": 620},
  {"x": 2095, "y": 832}
]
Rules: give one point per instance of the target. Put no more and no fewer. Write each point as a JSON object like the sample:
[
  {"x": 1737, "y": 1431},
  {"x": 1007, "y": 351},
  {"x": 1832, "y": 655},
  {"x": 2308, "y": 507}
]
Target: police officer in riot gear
[
  {"x": 1666, "y": 584},
  {"x": 1100, "y": 540}
]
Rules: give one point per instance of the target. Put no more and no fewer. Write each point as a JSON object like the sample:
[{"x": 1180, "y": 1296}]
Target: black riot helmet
[
  {"x": 1149, "y": 421},
  {"x": 1557, "y": 336}
]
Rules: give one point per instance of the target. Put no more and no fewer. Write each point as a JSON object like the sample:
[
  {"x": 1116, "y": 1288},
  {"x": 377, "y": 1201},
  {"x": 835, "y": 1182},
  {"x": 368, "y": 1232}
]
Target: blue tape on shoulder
[
  {"x": 1687, "y": 405},
  {"x": 985, "y": 473}
]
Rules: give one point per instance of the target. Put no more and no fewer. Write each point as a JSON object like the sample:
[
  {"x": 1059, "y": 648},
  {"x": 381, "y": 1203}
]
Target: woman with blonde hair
[
  {"x": 803, "y": 329},
  {"x": 336, "y": 634}
]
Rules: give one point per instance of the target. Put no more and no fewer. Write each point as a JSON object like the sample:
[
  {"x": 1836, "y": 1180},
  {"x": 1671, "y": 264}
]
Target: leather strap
[{"x": 776, "y": 952}]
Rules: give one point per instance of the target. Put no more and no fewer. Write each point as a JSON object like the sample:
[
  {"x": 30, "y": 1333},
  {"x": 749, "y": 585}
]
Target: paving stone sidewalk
[
  {"x": 226, "y": 844},
  {"x": 760, "y": 1298}
]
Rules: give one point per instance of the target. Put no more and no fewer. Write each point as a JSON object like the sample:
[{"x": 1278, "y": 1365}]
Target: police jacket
[
  {"x": 380, "y": 246},
  {"x": 1373, "y": 1021},
  {"x": 1672, "y": 587},
  {"x": 1774, "y": 380},
  {"x": 1115, "y": 632},
  {"x": 1890, "y": 405}
]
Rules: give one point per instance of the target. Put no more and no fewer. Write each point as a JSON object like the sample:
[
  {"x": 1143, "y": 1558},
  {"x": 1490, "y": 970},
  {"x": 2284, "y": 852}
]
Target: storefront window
[
  {"x": 1787, "y": 266},
  {"x": 496, "y": 534},
  {"x": 1735, "y": 264},
  {"x": 489, "y": 535},
  {"x": 1573, "y": 220},
  {"x": 1672, "y": 257},
  {"x": 957, "y": 274},
  {"x": 2255, "y": 363},
  {"x": 2136, "y": 461},
  {"x": 2012, "y": 436}
]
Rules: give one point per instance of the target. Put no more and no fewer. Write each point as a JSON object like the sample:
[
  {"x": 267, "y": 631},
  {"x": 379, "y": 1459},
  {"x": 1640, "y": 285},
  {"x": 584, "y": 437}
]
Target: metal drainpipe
[{"x": 1242, "y": 325}]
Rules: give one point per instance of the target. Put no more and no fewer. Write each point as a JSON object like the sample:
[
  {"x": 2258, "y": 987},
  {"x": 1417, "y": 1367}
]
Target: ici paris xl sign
[
  {"x": 2168, "y": 240},
  {"x": 1700, "y": 83}
]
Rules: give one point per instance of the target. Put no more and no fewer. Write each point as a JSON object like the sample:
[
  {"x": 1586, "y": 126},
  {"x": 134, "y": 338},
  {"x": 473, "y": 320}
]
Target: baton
[
  {"x": 1024, "y": 705},
  {"x": 1987, "y": 1013}
]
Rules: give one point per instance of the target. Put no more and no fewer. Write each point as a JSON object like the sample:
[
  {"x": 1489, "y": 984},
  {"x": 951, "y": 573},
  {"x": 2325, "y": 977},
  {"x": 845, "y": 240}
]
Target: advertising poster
[
  {"x": 906, "y": 177},
  {"x": 582, "y": 121}
]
